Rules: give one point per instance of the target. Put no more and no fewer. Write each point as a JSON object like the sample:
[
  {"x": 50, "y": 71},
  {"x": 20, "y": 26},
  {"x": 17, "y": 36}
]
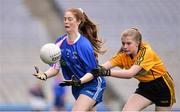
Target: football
[{"x": 50, "y": 53}]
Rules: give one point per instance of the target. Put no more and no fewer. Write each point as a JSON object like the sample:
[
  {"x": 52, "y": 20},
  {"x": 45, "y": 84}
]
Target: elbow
[{"x": 56, "y": 72}]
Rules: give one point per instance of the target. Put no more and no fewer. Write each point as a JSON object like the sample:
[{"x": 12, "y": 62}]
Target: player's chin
[
  {"x": 67, "y": 29},
  {"x": 127, "y": 52}
]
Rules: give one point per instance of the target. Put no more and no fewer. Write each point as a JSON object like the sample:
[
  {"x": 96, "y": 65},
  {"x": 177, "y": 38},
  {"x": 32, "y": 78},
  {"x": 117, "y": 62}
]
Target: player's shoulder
[
  {"x": 60, "y": 38},
  {"x": 120, "y": 54},
  {"x": 145, "y": 46},
  {"x": 84, "y": 38},
  {"x": 146, "y": 49},
  {"x": 84, "y": 44},
  {"x": 84, "y": 41}
]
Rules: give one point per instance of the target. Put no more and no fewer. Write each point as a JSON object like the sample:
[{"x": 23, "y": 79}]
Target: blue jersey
[{"x": 77, "y": 59}]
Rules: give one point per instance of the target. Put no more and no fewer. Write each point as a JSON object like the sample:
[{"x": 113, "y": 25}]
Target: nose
[
  {"x": 65, "y": 21},
  {"x": 125, "y": 46}
]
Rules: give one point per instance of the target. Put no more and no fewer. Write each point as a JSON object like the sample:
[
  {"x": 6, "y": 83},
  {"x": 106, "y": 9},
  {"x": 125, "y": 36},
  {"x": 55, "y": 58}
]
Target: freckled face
[
  {"x": 70, "y": 22},
  {"x": 129, "y": 45}
]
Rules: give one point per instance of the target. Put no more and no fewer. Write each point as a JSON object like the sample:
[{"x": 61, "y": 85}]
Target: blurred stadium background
[{"x": 25, "y": 25}]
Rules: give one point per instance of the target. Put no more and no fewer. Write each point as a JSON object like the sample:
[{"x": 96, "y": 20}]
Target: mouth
[
  {"x": 67, "y": 27},
  {"x": 126, "y": 51}
]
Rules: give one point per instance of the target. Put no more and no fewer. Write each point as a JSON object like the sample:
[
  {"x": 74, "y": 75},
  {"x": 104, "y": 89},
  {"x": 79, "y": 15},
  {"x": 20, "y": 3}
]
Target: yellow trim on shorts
[{"x": 168, "y": 80}]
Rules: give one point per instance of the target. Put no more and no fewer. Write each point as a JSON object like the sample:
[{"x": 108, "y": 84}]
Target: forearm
[
  {"x": 86, "y": 78},
  {"x": 89, "y": 76},
  {"x": 126, "y": 74},
  {"x": 51, "y": 72}
]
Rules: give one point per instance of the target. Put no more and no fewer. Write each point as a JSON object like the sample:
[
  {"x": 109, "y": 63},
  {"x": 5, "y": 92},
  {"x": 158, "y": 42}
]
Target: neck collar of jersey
[{"x": 73, "y": 42}]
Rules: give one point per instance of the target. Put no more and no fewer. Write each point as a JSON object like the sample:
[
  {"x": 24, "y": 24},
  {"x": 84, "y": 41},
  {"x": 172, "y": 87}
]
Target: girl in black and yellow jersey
[{"x": 137, "y": 59}]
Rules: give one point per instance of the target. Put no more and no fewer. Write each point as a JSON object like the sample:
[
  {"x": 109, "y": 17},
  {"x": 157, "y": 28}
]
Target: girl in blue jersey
[{"x": 79, "y": 50}]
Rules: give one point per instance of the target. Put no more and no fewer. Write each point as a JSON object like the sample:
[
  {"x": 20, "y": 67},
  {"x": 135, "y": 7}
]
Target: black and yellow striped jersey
[{"x": 147, "y": 58}]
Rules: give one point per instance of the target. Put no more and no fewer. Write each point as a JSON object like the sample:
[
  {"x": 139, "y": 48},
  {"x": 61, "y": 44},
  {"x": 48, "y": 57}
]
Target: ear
[
  {"x": 137, "y": 43},
  {"x": 78, "y": 22}
]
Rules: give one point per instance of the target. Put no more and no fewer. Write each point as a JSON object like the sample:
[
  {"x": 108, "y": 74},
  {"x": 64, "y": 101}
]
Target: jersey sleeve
[
  {"x": 145, "y": 59},
  {"x": 117, "y": 60},
  {"x": 58, "y": 42},
  {"x": 56, "y": 65}
]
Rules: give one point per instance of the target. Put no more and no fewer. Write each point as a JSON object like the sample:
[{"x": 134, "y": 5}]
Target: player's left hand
[{"x": 73, "y": 82}]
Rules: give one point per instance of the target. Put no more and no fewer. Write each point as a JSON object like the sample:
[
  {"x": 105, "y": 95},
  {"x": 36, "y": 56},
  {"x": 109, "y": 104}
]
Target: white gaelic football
[{"x": 50, "y": 53}]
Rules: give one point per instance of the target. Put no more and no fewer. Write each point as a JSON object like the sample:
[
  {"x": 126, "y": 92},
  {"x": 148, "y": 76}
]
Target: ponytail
[{"x": 89, "y": 30}]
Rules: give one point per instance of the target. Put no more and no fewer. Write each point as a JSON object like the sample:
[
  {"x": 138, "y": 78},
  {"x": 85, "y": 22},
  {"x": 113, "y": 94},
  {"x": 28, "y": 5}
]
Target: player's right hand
[
  {"x": 100, "y": 71},
  {"x": 39, "y": 74}
]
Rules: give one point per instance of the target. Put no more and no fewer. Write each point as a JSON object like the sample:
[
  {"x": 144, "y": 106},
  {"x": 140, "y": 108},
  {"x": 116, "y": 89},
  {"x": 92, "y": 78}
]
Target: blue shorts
[{"x": 93, "y": 89}]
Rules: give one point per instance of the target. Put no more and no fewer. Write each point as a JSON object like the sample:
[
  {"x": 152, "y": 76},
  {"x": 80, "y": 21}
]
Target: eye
[
  {"x": 128, "y": 43},
  {"x": 70, "y": 18},
  {"x": 65, "y": 19},
  {"x": 123, "y": 43}
]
